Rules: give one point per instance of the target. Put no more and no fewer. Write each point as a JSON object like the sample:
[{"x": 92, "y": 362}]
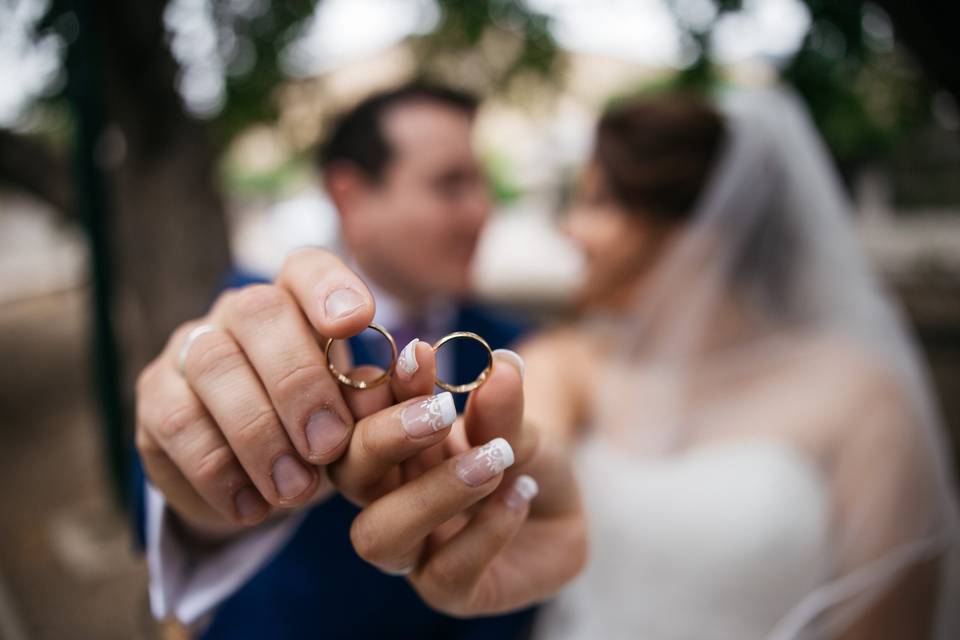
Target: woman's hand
[{"x": 455, "y": 506}]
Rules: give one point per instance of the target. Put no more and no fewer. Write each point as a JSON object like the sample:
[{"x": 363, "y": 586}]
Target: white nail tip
[
  {"x": 407, "y": 363},
  {"x": 513, "y": 357},
  {"x": 448, "y": 410},
  {"x": 526, "y": 487},
  {"x": 442, "y": 408},
  {"x": 498, "y": 454},
  {"x": 437, "y": 412}
]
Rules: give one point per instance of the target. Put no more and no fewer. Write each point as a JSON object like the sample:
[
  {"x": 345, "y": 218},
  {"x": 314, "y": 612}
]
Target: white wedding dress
[
  {"x": 776, "y": 495},
  {"x": 717, "y": 542}
]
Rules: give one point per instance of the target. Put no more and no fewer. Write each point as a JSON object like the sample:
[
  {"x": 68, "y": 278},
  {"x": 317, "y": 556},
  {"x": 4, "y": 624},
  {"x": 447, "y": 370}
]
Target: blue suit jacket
[{"x": 317, "y": 586}]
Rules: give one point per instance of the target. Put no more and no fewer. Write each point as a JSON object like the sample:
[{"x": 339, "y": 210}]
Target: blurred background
[{"x": 147, "y": 146}]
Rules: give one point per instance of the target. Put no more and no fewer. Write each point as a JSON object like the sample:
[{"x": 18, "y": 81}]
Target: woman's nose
[{"x": 572, "y": 225}]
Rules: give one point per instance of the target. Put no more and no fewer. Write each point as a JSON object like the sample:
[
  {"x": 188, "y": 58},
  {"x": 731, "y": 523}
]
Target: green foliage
[
  {"x": 499, "y": 173},
  {"x": 503, "y": 39},
  {"x": 861, "y": 90},
  {"x": 489, "y": 45},
  {"x": 273, "y": 183},
  {"x": 863, "y": 95},
  {"x": 254, "y": 72}
]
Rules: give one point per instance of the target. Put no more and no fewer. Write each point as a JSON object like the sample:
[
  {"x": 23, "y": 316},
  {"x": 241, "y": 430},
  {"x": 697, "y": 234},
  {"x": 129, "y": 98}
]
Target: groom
[{"x": 412, "y": 201}]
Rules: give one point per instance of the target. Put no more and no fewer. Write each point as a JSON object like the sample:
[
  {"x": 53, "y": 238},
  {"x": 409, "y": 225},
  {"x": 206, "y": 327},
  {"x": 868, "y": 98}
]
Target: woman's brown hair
[{"x": 655, "y": 153}]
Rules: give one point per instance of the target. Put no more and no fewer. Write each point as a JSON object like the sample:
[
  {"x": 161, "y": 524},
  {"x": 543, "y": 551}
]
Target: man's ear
[{"x": 346, "y": 185}]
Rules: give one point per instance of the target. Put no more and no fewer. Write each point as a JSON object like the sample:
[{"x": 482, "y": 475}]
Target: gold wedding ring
[
  {"x": 470, "y": 386},
  {"x": 365, "y": 384},
  {"x": 369, "y": 384}
]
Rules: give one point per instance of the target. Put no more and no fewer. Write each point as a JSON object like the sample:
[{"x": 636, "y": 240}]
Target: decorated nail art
[
  {"x": 429, "y": 416},
  {"x": 407, "y": 364},
  {"x": 524, "y": 489},
  {"x": 483, "y": 463}
]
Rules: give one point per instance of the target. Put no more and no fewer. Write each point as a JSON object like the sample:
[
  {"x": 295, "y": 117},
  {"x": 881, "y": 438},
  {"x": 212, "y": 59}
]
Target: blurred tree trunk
[
  {"x": 167, "y": 227},
  {"x": 169, "y": 242},
  {"x": 169, "y": 237}
]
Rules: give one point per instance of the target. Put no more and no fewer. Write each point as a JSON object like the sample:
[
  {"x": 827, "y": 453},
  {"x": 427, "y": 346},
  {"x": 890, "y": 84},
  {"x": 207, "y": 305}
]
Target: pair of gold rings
[{"x": 455, "y": 388}]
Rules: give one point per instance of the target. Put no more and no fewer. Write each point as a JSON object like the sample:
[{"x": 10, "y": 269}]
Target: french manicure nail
[
  {"x": 407, "y": 364},
  {"x": 483, "y": 463},
  {"x": 511, "y": 357},
  {"x": 249, "y": 505},
  {"x": 290, "y": 477},
  {"x": 524, "y": 489},
  {"x": 340, "y": 303},
  {"x": 325, "y": 430},
  {"x": 429, "y": 416}
]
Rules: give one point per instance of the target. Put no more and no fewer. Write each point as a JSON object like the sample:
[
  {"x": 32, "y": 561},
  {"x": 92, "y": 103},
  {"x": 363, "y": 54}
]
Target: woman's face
[{"x": 619, "y": 246}]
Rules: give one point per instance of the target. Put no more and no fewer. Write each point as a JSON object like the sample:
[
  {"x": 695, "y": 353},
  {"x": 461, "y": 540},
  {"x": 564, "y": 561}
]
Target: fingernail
[
  {"x": 397, "y": 572},
  {"x": 249, "y": 505},
  {"x": 511, "y": 357},
  {"x": 524, "y": 489},
  {"x": 342, "y": 302},
  {"x": 484, "y": 463},
  {"x": 407, "y": 364},
  {"x": 325, "y": 430},
  {"x": 429, "y": 416},
  {"x": 290, "y": 477}
]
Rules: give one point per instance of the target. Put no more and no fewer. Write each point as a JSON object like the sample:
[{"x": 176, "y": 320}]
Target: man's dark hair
[{"x": 357, "y": 135}]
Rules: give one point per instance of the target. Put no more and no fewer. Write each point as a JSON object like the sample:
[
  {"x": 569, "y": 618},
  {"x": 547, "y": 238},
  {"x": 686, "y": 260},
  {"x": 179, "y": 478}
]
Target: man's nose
[{"x": 478, "y": 206}]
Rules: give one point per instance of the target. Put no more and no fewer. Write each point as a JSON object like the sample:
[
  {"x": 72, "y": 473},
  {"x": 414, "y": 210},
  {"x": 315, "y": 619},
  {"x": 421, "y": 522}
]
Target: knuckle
[
  {"x": 223, "y": 302},
  {"x": 258, "y": 302},
  {"x": 420, "y": 504},
  {"x": 448, "y": 588},
  {"x": 179, "y": 335},
  {"x": 148, "y": 405},
  {"x": 214, "y": 356},
  {"x": 365, "y": 542},
  {"x": 307, "y": 258},
  {"x": 366, "y": 443},
  {"x": 299, "y": 377},
  {"x": 251, "y": 429},
  {"x": 180, "y": 420},
  {"x": 146, "y": 446},
  {"x": 292, "y": 261},
  {"x": 214, "y": 467},
  {"x": 143, "y": 412},
  {"x": 481, "y": 597},
  {"x": 144, "y": 380},
  {"x": 447, "y": 574}
]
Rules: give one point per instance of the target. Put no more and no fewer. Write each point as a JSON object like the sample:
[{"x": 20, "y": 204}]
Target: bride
[{"x": 752, "y": 429}]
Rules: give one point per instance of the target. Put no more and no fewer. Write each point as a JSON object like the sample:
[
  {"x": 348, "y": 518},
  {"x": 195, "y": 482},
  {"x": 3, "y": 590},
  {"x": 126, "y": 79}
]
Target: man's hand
[
  {"x": 450, "y": 506},
  {"x": 246, "y": 425}
]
